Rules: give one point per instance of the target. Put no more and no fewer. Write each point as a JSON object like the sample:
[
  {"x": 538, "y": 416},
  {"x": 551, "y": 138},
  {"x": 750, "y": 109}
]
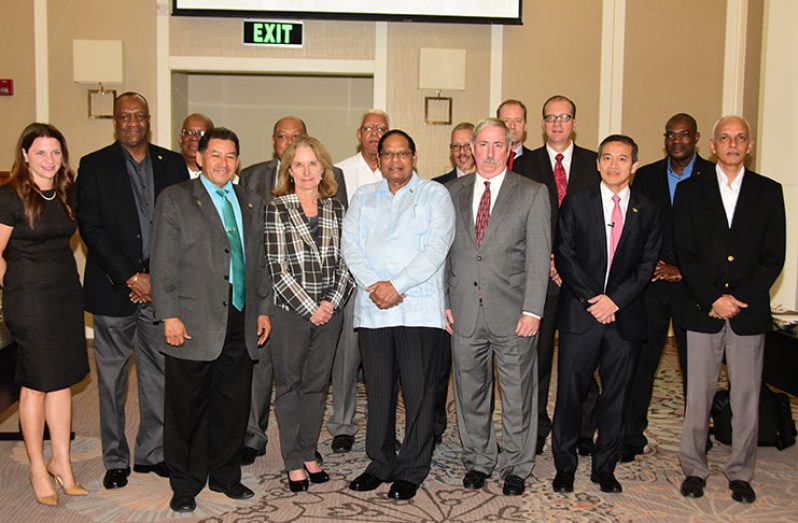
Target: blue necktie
[{"x": 236, "y": 251}]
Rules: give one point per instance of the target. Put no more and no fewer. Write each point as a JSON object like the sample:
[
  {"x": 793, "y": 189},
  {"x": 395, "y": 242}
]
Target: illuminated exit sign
[{"x": 273, "y": 33}]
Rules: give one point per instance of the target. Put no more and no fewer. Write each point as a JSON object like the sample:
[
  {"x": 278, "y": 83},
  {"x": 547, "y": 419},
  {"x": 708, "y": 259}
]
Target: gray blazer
[
  {"x": 260, "y": 179},
  {"x": 190, "y": 265},
  {"x": 511, "y": 267}
]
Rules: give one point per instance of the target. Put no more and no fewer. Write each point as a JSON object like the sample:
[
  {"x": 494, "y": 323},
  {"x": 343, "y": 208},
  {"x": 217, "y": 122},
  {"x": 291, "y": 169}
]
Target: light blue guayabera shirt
[
  {"x": 217, "y": 202},
  {"x": 403, "y": 238}
]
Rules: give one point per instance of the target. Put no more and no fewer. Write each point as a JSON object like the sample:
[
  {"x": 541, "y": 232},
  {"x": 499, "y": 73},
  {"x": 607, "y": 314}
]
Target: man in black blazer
[
  {"x": 576, "y": 167},
  {"x": 117, "y": 187},
  {"x": 729, "y": 231},
  {"x": 608, "y": 241},
  {"x": 261, "y": 178},
  {"x": 513, "y": 113},
  {"x": 666, "y": 295}
]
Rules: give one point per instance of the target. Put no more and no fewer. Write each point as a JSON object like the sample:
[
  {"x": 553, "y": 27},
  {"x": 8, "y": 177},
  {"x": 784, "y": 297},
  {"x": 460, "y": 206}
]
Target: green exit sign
[{"x": 273, "y": 33}]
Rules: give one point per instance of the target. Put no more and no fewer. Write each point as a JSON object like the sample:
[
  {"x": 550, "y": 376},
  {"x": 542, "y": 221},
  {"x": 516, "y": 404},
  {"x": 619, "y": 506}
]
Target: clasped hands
[
  {"x": 384, "y": 294},
  {"x": 602, "y": 308},
  {"x": 666, "y": 272},
  {"x": 139, "y": 285},
  {"x": 726, "y": 307}
]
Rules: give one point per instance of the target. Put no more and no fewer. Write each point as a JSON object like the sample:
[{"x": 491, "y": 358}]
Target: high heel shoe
[
  {"x": 297, "y": 486},
  {"x": 317, "y": 477},
  {"x": 71, "y": 490},
  {"x": 50, "y": 501}
]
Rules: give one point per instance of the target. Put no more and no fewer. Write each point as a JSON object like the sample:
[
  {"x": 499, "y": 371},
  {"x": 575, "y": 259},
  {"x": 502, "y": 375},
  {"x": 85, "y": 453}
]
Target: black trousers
[
  {"x": 206, "y": 412},
  {"x": 548, "y": 328},
  {"x": 579, "y": 355},
  {"x": 660, "y": 308},
  {"x": 408, "y": 356},
  {"x": 442, "y": 383}
]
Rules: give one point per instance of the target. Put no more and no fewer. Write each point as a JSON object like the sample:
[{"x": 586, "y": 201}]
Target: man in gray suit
[
  {"x": 497, "y": 272},
  {"x": 212, "y": 292},
  {"x": 261, "y": 178}
]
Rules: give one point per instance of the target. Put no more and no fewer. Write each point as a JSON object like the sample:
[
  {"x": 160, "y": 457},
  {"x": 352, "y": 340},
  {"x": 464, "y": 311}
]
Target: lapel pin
[
  {"x": 249, "y": 205},
  {"x": 199, "y": 203},
  {"x": 634, "y": 209}
]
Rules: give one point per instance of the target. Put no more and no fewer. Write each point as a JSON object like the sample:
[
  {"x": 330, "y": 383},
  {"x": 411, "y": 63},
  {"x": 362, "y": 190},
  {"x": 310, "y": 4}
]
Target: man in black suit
[
  {"x": 261, "y": 178},
  {"x": 565, "y": 168},
  {"x": 461, "y": 155},
  {"x": 192, "y": 130},
  {"x": 116, "y": 191},
  {"x": 729, "y": 231},
  {"x": 608, "y": 241},
  {"x": 513, "y": 113},
  {"x": 666, "y": 295}
]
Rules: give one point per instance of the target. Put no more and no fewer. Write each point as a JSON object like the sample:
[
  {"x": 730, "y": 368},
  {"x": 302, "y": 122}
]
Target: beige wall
[
  {"x": 753, "y": 66},
  {"x": 556, "y": 51},
  {"x": 16, "y": 63},
  {"x": 673, "y": 63}
]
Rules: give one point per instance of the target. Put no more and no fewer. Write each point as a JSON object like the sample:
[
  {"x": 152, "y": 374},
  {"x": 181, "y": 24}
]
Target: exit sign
[{"x": 273, "y": 33}]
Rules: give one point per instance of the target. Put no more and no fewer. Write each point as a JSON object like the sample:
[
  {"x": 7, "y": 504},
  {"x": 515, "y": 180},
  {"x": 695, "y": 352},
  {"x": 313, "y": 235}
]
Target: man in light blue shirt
[{"x": 395, "y": 239}]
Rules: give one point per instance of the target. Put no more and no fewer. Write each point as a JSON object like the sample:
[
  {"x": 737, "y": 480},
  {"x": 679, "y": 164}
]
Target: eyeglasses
[
  {"x": 564, "y": 118},
  {"x": 194, "y": 133},
  {"x": 402, "y": 155},
  {"x": 455, "y": 147},
  {"x": 379, "y": 129},
  {"x": 681, "y": 135}
]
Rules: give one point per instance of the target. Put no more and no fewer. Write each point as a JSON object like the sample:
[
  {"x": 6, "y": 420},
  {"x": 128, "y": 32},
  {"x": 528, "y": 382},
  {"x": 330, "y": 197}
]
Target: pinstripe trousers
[{"x": 408, "y": 356}]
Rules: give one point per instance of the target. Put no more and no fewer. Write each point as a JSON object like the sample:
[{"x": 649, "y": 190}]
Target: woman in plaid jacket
[{"x": 311, "y": 283}]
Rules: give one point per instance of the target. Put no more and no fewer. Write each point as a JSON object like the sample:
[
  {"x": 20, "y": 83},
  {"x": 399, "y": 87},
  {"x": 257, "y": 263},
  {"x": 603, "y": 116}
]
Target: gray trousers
[
  {"x": 344, "y": 376},
  {"x": 744, "y": 356},
  {"x": 116, "y": 339},
  {"x": 258, "y": 423},
  {"x": 302, "y": 355},
  {"x": 516, "y": 365}
]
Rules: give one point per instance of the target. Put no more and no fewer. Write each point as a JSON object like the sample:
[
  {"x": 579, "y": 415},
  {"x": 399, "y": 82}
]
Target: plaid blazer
[{"x": 304, "y": 273}]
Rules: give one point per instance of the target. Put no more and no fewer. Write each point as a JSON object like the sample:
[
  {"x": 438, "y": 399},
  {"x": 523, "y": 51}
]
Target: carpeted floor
[{"x": 650, "y": 483}]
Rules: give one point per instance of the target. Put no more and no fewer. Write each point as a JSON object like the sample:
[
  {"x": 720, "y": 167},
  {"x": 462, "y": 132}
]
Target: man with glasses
[
  {"x": 359, "y": 170},
  {"x": 565, "y": 168},
  {"x": 117, "y": 188},
  {"x": 261, "y": 178},
  {"x": 666, "y": 295},
  {"x": 194, "y": 127},
  {"x": 460, "y": 153},
  {"x": 395, "y": 239}
]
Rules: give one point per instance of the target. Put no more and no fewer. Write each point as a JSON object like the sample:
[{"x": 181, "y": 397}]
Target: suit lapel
[
  {"x": 503, "y": 202},
  {"x": 466, "y": 209},
  {"x": 206, "y": 206},
  {"x": 301, "y": 225},
  {"x": 714, "y": 202},
  {"x": 749, "y": 196},
  {"x": 327, "y": 225}
]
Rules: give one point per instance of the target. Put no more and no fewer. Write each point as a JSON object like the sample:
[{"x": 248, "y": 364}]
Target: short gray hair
[{"x": 491, "y": 122}]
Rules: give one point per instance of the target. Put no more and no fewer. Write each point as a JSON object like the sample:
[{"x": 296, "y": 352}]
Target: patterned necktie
[
  {"x": 483, "y": 213},
  {"x": 617, "y": 227},
  {"x": 236, "y": 251},
  {"x": 560, "y": 179},
  {"x": 511, "y": 160}
]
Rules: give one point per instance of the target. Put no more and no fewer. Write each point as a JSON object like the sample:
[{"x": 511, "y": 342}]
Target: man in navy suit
[
  {"x": 730, "y": 239},
  {"x": 608, "y": 241},
  {"x": 666, "y": 295}
]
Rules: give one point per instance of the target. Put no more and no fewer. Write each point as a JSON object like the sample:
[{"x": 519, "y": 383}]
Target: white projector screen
[{"x": 469, "y": 11}]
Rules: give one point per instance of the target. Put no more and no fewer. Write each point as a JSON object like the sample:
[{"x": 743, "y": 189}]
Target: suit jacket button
[
  {"x": 226, "y": 278},
  {"x": 475, "y": 284},
  {"x": 726, "y": 285},
  {"x": 227, "y": 251},
  {"x": 479, "y": 258},
  {"x": 730, "y": 258},
  {"x": 224, "y": 304}
]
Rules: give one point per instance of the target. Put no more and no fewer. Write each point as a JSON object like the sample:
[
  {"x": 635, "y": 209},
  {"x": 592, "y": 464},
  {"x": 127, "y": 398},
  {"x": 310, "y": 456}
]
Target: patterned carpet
[{"x": 650, "y": 483}]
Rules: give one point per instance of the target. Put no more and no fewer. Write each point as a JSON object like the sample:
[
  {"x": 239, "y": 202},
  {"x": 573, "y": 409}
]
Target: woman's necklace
[{"x": 51, "y": 198}]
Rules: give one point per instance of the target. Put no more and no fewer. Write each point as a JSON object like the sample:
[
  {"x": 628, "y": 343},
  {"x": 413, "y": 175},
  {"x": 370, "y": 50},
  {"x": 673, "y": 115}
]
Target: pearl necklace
[{"x": 51, "y": 198}]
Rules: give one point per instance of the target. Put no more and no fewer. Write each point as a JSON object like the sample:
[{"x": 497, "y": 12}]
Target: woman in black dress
[{"x": 42, "y": 301}]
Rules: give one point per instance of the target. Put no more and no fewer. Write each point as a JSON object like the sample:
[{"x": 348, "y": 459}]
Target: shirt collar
[
  {"x": 724, "y": 180},
  {"x": 567, "y": 153},
  {"x": 211, "y": 188},
  {"x": 688, "y": 169},
  {"x": 409, "y": 186},
  {"x": 607, "y": 194},
  {"x": 498, "y": 180}
]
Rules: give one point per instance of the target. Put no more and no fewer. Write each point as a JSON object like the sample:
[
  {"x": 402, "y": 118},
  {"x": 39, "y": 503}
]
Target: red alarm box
[{"x": 6, "y": 87}]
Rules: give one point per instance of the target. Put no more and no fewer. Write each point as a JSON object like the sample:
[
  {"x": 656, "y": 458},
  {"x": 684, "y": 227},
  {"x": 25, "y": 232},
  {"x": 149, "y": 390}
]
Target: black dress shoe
[
  {"x": 319, "y": 457},
  {"x": 628, "y": 453},
  {"x": 539, "y": 446},
  {"x": 693, "y": 487},
  {"x": 742, "y": 491},
  {"x": 182, "y": 503},
  {"x": 159, "y": 468},
  {"x": 248, "y": 455},
  {"x": 513, "y": 485},
  {"x": 474, "y": 479},
  {"x": 235, "y": 491},
  {"x": 317, "y": 477},
  {"x": 342, "y": 443},
  {"x": 584, "y": 446},
  {"x": 365, "y": 482},
  {"x": 299, "y": 485},
  {"x": 116, "y": 478},
  {"x": 438, "y": 440},
  {"x": 563, "y": 482},
  {"x": 607, "y": 482},
  {"x": 402, "y": 490}
]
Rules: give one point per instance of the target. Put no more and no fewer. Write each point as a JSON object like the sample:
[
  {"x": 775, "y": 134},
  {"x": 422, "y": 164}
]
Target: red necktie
[
  {"x": 617, "y": 227},
  {"x": 483, "y": 213},
  {"x": 510, "y": 160},
  {"x": 560, "y": 179}
]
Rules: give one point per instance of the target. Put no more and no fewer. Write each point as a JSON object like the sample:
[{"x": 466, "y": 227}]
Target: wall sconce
[
  {"x": 98, "y": 62},
  {"x": 440, "y": 69}
]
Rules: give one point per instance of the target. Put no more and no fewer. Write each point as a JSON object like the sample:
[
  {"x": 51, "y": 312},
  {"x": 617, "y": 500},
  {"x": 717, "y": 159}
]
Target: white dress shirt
[
  {"x": 607, "y": 206},
  {"x": 729, "y": 193},
  {"x": 479, "y": 189},
  {"x": 567, "y": 156},
  {"x": 357, "y": 173}
]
